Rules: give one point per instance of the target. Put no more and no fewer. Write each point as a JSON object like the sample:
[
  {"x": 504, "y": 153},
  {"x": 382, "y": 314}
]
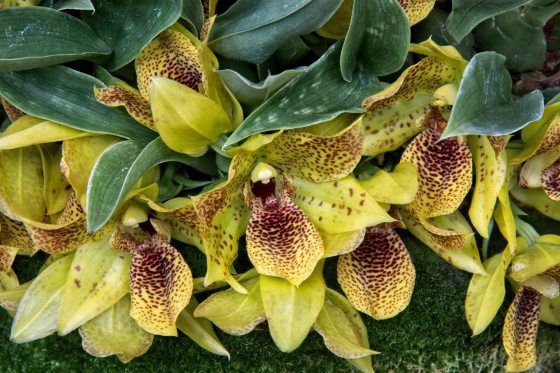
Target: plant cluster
[{"x": 136, "y": 130}]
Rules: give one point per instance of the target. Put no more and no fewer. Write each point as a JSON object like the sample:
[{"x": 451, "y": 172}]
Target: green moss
[{"x": 430, "y": 335}]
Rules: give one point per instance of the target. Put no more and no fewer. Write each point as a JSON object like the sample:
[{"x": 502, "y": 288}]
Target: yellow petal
[
  {"x": 444, "y": 172},
  {"x": 503, "y": 216},
  {"x": 397, "y": 187},
  {"x": 181, "y": 215},
  {"x": 79, "y": 157},
  {"x": 550, "y": 310},
  {"x": 531, "y": 173},
  {"x": 342, "y": 328},
  {"x": 337, "y": 26},
  {"x": 550, "y": 179},
  {"x": 37, "y": 313},
  {"x": 546, "y": 285},
  {"x": 281, "y": 240},
  {"x": 7, "y": 256},
  {"x": 490, "y": 175},
  {"x": 124, "y": 95},
  {"x": 341, "y": 243},
  {"x": 486, "y": 293},
  {"x": 10, "y": 298},
  {"x": 417, "y": 10},
  {"x": 378, "y": 277},
  {"x": 292, "y": 310},
  {"x": 537, "y": 198},
  {"x": 338, "y": 206},
  {"x": 170, "y": 55},
  {"x": 520, "y": 330},
  {"x": 29, "y": 130},
  {"x": 13, "y": 233},
  {"x": 11, "y": 111},
  {"x": 97, "y": 279},
  {"x": 114, "y": 332},
  {"x": 187, "y": 121},
  {"x": 459, "y": 250},
  {"x": 539, "y": 258},
  {"x": 21, "y": 184},
  {"x": 317, "y": 158},
  {"x": 233, "y": 312},
  {"x": 160, "y": 286},
  {"x": 200, "y": 330},
  {"x": 56, "y": 190}
]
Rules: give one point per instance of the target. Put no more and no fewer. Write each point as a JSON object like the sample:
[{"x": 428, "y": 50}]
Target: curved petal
[
  {"x": 397, "y": 187},
  {"x": 114, "y": 332},
  {"x": 339, "y": 206},
  {"x": 14, "y": 234},
  {"x": 504, "y": 218},
  {"x": 12, "y": 112},
  {"x": 281, "y": 241},
  {"x": 7, "y": 256},
  {"x": 550, "y": 179},
  {"x": 181, "y": 215},
  {"x": 378, "y": 277},
  {"x": 531, "y": 173},
  {"x": 56, "y": 190},
  {"x": 537, "y": 198},
  {"x": 538, "y": 259},
  {"x": 520, "y": 330},
  {"x": 124, "y": 95},
  {"x": 160, "y": 286},
  {"x": 316, "y": 158},
  {"x": 444, "y": 171},
  {"x": 550, "y": 310},
  {"x": 342, "y": 243},
  {"x": 416, "y": 10}
]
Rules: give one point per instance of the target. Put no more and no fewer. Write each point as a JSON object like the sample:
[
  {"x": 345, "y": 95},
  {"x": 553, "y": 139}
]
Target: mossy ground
[{"x": 431, "y": 335}]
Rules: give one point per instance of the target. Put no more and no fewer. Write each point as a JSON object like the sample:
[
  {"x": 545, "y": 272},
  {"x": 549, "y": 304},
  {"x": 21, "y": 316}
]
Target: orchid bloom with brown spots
[{"x": 179, "y": 94}]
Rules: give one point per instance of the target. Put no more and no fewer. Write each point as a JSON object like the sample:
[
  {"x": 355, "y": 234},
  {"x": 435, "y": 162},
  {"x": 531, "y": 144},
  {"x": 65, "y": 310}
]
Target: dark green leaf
[
  {"x": 115, "y": 173},
  {"x": 254, "y": 94},
  {"x": 509, "y": 34},
  {"x": 466, "y": 14},
  {"x": 129, "y": 25},
  {"x": 193, "y": 14},
  {"x": 33, "y": 37},
  {"x": 317, "y": 95},
  {"x": 378, "y": 38},
  {"x": 251, "y": 31},
  {"x": 65, "y": 96},
  {"x": 484, "y": 105},
  {"x": 538, "y": 12},
  {"x": 73, "y": 4}
]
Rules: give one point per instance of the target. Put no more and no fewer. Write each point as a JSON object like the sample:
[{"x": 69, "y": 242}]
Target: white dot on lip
[{"x": 517, "y": 267}]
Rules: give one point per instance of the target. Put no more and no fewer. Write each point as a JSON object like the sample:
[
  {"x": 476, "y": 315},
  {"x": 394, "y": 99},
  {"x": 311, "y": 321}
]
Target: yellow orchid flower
[{"x": 179, "y": 94}]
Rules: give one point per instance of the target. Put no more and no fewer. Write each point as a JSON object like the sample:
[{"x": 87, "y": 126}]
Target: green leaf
[
  {"x": 538, "y": 12},
  {"x": 115, "y": 173},
  {"x": 255, "y": 94},
  {"x": 466, "y": 14},
  {"x": 251, "y": 31},
  {"x": 193, "y": 14},
  {"x": 316, "y": 95},
  {"x": 129, "y": 25},
  {"x": 484, "y": 105},
  {"x": 73, "y": 4},
  {"x": 65, "y": 96},
  {"x": 378, "y": 38},
  {"x": 509, "y": 34},
  {"x": 24, "y": 45},
  {"x": 292, "y": 310}
]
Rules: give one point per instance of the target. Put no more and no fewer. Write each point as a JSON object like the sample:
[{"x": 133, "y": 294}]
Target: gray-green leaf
[
  {"x": 484, "y": 105},
  {"x": 115, "y": 173},
  {"x": 317, "y": 95},
  {"x": 466, "y": 14},
  {"x": 73, "y": 4},
  {"x": 251, "y": 31},
  {"x": 129, "y": 25},
  {"x": 65, "y": 96},
  {"x": 378, "y": 38},
  {"x": 538, "y": 12},
  {"x": 194, "y": 15},
  {"x": 24, "y": 43}
]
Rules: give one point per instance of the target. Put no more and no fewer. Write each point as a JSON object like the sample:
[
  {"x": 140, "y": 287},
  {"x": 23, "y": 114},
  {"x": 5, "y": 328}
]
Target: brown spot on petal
[
  {"x": 416, "y": 10},
  {"x": 12, "y": 112},
  {"x": 124, "y": 95},
  {"x": 550, "y": 179}
]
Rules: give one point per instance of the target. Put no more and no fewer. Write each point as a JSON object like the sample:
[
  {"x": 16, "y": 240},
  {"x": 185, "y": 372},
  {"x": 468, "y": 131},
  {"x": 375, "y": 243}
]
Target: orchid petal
[
  {"x": 12, "y": 112},
  {"x": 520, "y": 330},
  {"x": 537, "y": 198},
  {"x": 56, "y": 190},
  {"x": 550, "y": 310},
  {"x": 416, "y": 10},
  {"x": 114, "y": 332},
  {"x": 550, "y": 179},
  {"x": 378, "y": 277},
  {"x": 160, "y": 286},
  {"x": 342, "y": 243},
  {"x": 539, "y": 258},
  {"x": 233, "y": 312},
  {"x": 14, "y": 234},
  {"x": 397, "y": 187},
  {"x": 122, "y": 94}
]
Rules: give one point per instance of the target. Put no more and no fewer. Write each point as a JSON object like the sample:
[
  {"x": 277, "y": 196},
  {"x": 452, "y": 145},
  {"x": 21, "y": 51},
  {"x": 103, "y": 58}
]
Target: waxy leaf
[
  {"x": 251, "y": 32},
  {"x": 129, "y": 25},
  {"x": 292, "y": 310},
  {"x": 317, "y": 95},
  {"x": 65, "y": 96},
  {"x": 378, "y": 38},
  {"x": 23, "y": 45},
  {"x": 37, "y": 313},
  {"x": 233, "y": 312},
  {"x": 115, "y": 173},
  {"x": 520, "y": 330},
  {"x": 466, "y": 14},
  {"x": 114, "y": 332},
  {"x": 490, "y": 111},
  {"x": 200, "y": 330},
  {"x": 486, "y": 293},
  {"x": 73, "y": 4},
  {"x": 538, "y": 12},
  {"x": 97, "y": 279},
  {"x": 364, "y": 276},
  {"x": 160, "y": 286},
  {"x": 193, "y": 13}
]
